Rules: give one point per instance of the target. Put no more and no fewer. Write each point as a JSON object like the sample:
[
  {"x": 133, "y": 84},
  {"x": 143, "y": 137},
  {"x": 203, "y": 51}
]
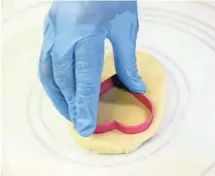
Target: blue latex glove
[{"x": 72, "y": 55}]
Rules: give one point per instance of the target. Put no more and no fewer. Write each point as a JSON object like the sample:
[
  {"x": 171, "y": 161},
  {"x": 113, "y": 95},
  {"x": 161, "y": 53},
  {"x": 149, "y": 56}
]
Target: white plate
[{"x": 37, "y": 143}]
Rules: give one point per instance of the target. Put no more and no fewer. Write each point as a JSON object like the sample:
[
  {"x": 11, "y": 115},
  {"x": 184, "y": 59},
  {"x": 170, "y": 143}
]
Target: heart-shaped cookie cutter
[{"x": 114, "y": 81}]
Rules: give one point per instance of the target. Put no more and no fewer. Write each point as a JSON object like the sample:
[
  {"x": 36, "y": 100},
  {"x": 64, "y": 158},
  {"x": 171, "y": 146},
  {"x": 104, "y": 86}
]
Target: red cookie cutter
[{"x": 109, "y": 126}]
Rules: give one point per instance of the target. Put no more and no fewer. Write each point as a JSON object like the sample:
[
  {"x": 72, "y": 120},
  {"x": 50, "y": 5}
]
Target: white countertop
[{"x": 180, "y": 34}]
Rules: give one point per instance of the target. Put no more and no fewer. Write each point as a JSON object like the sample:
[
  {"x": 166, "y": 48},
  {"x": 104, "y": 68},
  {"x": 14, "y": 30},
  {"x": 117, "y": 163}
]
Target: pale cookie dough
[{"x": 122, "y": 106}]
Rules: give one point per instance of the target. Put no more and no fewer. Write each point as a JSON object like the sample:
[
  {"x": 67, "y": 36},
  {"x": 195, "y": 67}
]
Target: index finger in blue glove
[
  {"x": 89, "y": 58},
  {"x": 77, "y": 66}
]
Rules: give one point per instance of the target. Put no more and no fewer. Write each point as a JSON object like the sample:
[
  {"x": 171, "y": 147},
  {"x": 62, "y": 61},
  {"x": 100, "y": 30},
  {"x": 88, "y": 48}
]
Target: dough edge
[{"x": 115, "y": 142}]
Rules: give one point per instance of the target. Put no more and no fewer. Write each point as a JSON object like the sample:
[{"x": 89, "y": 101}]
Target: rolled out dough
[{"x": 122, "y": 106}]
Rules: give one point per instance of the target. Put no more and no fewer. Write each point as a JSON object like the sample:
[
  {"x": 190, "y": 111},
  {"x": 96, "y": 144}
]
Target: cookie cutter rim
[{"x": 108, "y": 84}]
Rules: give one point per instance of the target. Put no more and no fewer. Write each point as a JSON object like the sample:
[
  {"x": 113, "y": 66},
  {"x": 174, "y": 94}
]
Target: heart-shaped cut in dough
[
  {"x": 112, "y": 125},
  {"x": 119, "y": 105}
]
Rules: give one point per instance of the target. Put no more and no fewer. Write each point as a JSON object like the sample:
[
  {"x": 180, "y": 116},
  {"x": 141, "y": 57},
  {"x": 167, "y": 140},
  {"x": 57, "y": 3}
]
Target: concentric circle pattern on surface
[{"x": 184, "y": 43}]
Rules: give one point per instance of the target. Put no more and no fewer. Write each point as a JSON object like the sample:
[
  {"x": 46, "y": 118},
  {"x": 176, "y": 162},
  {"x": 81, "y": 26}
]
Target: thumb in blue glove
[{"x": 72, "y": 55}]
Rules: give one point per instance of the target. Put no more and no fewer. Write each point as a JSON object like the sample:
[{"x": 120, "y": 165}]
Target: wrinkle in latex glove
[{"x": 72, "y": 55}]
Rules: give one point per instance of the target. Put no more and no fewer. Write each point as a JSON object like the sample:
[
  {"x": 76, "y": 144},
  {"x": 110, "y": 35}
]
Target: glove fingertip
[
  {"x": 133, "y": 82},
  {"x": 85, "y": 130}
]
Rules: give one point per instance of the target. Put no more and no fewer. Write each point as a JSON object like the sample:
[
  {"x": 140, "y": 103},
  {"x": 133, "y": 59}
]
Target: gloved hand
[{"x": 72, "y": 55}]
